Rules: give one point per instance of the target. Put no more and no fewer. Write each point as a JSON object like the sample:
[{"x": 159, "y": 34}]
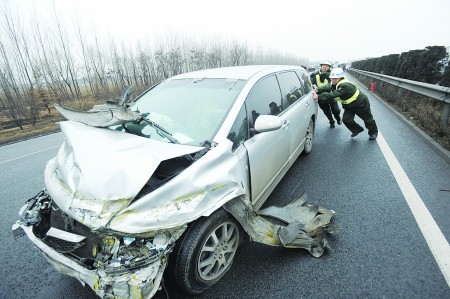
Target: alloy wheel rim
[{"x": 218, "y": 252}]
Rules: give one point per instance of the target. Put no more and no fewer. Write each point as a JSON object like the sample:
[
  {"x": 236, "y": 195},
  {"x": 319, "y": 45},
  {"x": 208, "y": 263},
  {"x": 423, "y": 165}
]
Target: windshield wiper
[
  {"x": 207, "y": 145},
  {"x": 159, "y": 129},
  {"x": 163, "y": 132}
]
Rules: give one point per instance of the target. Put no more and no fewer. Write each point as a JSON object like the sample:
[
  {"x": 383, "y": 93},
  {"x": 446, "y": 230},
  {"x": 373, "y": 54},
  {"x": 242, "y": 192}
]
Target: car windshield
[{"x": 191, "y": 110}]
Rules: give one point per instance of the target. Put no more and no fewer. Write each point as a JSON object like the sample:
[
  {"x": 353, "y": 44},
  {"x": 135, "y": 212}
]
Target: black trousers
[
  {"x": 330, "y": 107},
  {"x": 361, "y": 108}
]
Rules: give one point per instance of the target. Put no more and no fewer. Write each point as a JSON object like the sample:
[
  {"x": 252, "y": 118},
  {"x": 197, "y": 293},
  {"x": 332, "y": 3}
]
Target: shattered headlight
[{"x": 116, "y": 256}]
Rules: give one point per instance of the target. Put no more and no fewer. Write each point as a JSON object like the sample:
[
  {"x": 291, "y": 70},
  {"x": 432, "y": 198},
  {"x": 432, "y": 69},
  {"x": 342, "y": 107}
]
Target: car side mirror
[{"x": 267, "y": 123}]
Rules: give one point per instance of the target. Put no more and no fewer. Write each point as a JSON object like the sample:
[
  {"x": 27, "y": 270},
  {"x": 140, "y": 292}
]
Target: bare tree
[
  {"x": 238, "y": 54},
  {"x": 117, "y": 73},
  {"x": 14, "y": 108},
  {"x": 125, "y": 60},
  {"x": 161, "y": 62},
  {"x": 197, "y": 58},
  {"x": 64, "y": 44},
  {"x": 22, "y": 64},
  {"x": 87, "y": 76},
  {"x": 144, "y": 64},
  {"x": 99, "y": 65},
  {"x": 42, "y": 66}
]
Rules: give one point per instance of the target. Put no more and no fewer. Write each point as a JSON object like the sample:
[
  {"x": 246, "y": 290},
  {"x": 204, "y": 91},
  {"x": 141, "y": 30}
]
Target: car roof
[{"x": 234, "y": 72}]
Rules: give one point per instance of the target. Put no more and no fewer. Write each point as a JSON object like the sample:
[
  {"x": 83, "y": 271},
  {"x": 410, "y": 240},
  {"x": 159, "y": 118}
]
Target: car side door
[
  {"x": 268, "y": 152},
  {"x": 298, "y": 110}
]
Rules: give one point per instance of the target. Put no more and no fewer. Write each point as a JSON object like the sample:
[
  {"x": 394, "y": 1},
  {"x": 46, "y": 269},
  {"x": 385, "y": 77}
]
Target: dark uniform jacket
[{"x": 346, "y": 91}]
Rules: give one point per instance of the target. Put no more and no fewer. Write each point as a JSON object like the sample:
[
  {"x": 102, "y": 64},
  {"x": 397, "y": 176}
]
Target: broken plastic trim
[
  {"x": 100, "y": 116},
  {"x": 114, "y": 112},
  {"x": 297, "y": 225}
]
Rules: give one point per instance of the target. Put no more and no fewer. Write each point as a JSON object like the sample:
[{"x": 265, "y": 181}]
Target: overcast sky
[{"x": 338, "y": 30}]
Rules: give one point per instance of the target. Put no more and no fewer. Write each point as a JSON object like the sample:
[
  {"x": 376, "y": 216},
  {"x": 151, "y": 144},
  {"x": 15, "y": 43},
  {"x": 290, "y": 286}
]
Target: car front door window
[{"x": 265, "y": 98}]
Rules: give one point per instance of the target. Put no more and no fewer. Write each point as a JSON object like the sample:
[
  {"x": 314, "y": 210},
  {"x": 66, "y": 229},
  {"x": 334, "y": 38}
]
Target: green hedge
[{"x": 429, "y": 65}]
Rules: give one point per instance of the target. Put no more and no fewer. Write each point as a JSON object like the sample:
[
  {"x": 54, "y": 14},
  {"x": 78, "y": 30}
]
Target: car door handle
[
  {"x": 285, "y": 124},
  {"x": 307, "y": 104}
]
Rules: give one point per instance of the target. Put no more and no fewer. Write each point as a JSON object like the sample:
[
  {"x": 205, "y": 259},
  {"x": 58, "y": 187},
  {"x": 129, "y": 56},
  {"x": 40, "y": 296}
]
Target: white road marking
[
  {"x": 435, "y": 239},
  {"x": 30, "y": 154}
]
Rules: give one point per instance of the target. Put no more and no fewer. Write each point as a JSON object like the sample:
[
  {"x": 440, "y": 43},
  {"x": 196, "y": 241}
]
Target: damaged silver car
[{"x": 174, "y": 179}]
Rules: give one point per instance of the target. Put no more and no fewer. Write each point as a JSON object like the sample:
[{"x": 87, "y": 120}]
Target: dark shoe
[
  {"x": 373, "y": 136},
  {"x": 356, "y": 133},
  {"x": 332, "y": 124},
  {"x": 339, "y": 122}
]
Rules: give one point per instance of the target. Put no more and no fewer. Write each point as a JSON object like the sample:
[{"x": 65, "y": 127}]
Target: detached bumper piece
[
  {"x": 297, "y": 225},
  {"x": 112, "y": 266}
]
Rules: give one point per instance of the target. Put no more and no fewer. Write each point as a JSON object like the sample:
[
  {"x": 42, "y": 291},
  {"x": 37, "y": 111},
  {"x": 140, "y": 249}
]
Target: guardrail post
[{"x": 446, "y": 113}]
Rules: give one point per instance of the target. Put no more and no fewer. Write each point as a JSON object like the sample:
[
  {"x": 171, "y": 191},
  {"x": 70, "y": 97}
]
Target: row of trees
[
  {"x": 429, "y": 65},
  {"x": 42, "y": 64}
]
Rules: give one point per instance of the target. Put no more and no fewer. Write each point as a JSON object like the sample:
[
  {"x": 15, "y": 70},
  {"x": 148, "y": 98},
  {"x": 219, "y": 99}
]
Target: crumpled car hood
[{"x": 98, "y": 171}]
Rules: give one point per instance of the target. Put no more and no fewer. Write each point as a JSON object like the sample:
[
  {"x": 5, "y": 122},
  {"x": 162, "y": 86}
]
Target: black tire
[
  {"x": 309, "y": 138},
  {"x": 196, "y": 246}
]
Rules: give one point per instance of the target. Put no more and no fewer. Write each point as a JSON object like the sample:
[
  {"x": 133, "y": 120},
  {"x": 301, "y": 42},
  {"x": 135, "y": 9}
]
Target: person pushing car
[
  {"x": 353, "y": 101},
  {"x": 330, "y": 107}
]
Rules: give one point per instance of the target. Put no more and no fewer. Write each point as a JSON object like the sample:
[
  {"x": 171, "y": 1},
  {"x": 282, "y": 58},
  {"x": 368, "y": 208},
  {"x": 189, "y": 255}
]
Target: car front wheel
[{"x": 205, "y": 252}]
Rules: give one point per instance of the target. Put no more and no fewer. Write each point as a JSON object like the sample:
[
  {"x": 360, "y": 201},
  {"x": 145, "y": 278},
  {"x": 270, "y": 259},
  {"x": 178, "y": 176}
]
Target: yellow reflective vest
[
  {"x": 320, "y": 84},
  {"x": 353, "y": 97}
]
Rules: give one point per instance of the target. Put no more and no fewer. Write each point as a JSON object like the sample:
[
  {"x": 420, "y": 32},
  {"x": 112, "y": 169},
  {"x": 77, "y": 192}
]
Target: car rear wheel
[
  {"x": 205, "y": 252},
  {"x": 309, "y": 138}
]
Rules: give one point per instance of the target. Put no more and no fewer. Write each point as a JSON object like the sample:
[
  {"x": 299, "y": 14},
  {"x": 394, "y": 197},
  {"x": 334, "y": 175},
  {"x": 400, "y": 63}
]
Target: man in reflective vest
[
  {"x": 330, "y": 107},
  {"x": 353, "y": 101}
]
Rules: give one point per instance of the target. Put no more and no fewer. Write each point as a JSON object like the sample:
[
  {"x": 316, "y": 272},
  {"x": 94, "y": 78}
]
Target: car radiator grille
[
  {"x": 83, "y": 249},
  {"x": 61, "y": 246}
]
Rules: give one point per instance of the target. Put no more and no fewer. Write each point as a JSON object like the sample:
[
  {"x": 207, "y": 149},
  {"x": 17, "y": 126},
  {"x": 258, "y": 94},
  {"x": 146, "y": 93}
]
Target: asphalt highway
[{"x": 382, "y": 251}]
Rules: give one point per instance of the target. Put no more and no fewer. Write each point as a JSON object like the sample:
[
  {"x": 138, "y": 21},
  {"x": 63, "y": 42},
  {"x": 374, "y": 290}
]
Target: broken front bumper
[
  {"x": 113, "y": 267},
  {"x": 141, "y": 283}
]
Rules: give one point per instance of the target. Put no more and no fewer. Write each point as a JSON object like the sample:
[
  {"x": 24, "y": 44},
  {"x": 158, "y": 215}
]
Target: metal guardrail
[{"x": 437, "y": 92}]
